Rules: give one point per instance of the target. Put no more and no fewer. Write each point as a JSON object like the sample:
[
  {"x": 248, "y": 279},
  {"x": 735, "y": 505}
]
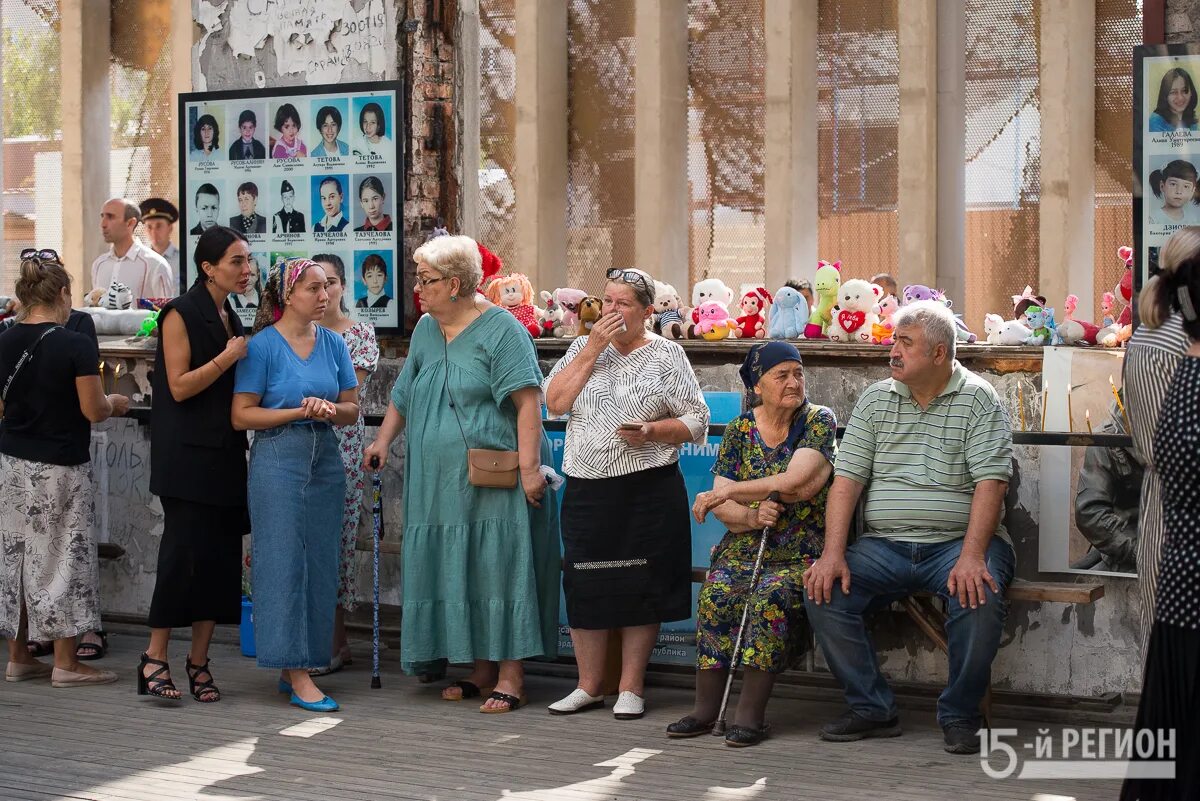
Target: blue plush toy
[{"x": 789, "y": 314}]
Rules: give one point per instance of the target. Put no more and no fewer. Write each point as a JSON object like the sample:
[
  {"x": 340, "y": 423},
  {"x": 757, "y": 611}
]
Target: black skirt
[
  {"x": 199, "y": 564},
  {"x": 627, "y": 549},
  {"x": 1171, "y": 700}
]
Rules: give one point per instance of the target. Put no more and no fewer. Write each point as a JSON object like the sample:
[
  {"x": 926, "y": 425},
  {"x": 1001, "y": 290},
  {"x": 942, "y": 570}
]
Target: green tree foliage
[{"x": 32, "y": 83}]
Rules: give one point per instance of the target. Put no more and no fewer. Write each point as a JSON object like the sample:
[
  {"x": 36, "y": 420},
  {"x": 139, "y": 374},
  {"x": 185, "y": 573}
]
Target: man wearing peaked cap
[{"x": 159, "y": 217}]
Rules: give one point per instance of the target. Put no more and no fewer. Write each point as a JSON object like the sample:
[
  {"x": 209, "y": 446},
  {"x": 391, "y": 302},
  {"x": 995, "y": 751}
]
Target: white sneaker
[
  {"x": 577, "y": 701},
  {"x": 629, "y": 706}
]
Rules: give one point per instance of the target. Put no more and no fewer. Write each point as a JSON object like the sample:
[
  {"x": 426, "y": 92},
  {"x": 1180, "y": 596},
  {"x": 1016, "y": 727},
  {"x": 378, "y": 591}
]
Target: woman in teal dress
[
  {"x": 787, "y": 445},
  {"x": 480, "y": 566}
]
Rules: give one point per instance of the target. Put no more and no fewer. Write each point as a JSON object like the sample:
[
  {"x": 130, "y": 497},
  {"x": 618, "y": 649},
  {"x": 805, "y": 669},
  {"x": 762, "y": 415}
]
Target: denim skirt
[{"x": 296, "y": 488}]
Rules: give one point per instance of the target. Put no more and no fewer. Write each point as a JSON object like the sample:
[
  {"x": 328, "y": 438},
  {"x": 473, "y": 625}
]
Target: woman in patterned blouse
[{"x": 784, "y": 444}]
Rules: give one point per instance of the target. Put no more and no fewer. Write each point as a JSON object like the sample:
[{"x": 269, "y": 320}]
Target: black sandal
[
  {"x": 469, "y": 690},
  {"x": 39, "y": 648},
  {"x": 153, "y": 684},
  {"x": 88, "y": 651},
  {"x": 205, "y": 692},
  {"x": 514, "y": 703}
]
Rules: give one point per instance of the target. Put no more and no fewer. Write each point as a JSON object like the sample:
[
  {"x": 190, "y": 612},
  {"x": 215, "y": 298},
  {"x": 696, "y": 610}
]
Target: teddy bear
[
  {"x": 885, "y": 309},
  {"x": 825, "y": 288},
  {"x": 715, "y": 323},
  {"x": 1004, "y": 332},
  {"x": 514, "y": 293},
  {"x": 788, "y": 314},
  {"x": 853, "y": 318},
  {"x": 589, "y": 312},
  {"x": 569, "y": 299},
  {"x": 668, "y": 321},
  {"x": 710, "y": 289},
  {"x": 755, "y": 305}
]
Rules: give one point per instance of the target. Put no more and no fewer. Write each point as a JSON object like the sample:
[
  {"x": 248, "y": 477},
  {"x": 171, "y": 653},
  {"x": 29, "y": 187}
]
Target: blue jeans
[
  {"x": 297, "y": 488},
  {"x": 882, "y": 571}
]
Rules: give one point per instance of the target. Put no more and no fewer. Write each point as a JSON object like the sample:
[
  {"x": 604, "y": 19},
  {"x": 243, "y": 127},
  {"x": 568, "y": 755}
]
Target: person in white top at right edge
[
  {"x": 128, "y": 261},
  {"x": 633, "y": 400}
]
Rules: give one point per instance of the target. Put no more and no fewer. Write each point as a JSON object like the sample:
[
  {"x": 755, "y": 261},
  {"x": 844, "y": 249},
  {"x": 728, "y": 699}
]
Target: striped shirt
[
  {"x": 920, "y": 466},
  {"x": 654, "y": 382},
  {"x": 1151, "y": 358},
  {"x": 145, "y": 272}
]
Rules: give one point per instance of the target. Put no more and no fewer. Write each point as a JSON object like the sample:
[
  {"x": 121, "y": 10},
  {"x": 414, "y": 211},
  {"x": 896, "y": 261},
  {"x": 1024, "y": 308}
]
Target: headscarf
[
  {"x": 281, "y": 280},
  {"x": 762, "y": 357}
]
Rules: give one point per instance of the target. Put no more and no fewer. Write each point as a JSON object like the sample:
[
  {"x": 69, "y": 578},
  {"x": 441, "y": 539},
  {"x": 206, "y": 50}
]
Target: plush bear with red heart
[{"x": 854, "y": 317}]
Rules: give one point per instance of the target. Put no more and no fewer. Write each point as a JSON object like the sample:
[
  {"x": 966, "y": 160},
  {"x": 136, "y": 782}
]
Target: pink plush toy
[
  {"x": 1125, "y": 287},
  {"x": 514, "y": 293},
  {"x": 753, "y": 322},
  {"x": 881, "y": 332},
  {"x": 715, "y": 323},
  {"x": 569, "y": 299}
]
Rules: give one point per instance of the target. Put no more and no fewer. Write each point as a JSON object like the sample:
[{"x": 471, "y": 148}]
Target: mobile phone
[{"x": 631, "y": 426}]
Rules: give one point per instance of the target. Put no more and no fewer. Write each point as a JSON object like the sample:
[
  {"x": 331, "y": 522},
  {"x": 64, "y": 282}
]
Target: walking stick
[
  {"x": 719, "y": 727},
  {"x": 376, "y": 535}
]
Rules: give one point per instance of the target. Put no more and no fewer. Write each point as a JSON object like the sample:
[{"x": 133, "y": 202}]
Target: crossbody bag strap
[
  {"x": 446, "y": 387},
  {"x": 21, "y": 362}
]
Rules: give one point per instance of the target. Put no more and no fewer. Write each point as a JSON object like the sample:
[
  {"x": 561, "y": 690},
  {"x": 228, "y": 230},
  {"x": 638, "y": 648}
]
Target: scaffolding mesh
[
  {"x": 497, "y": 128},
  {"x": 1003, "y": 154},
  {"x": 726, "y": 141},
  {"x": 858, "y": 109},
  {"x": 1118, "y": 30},
  {"x": 600, "y": 177}
]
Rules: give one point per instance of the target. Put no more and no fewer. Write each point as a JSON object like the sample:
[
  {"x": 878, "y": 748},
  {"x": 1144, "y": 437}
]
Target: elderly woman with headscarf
[
  {"x": 296, "y": 382},
  {"x": 784, "y": 445}
]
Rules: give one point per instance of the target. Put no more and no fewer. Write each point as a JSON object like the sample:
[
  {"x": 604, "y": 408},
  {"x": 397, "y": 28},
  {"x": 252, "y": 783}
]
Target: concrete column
[
  {"x": 917, "y": 143},
  {"x": 661, "y": 139},
  {"x": 791, "y": 140},
  {"x": 1067, "y": 217},
  {"x": 951, "y": 150},
  {"x": 86, "y": 141},
  {"x": 467, "y": 107},
  {"x": 540, "y": 175},
  {"x": 183, "y": 29}
]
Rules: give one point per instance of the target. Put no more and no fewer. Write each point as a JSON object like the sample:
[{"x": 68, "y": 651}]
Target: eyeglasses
[
  {"x": 424, "y": 282},
  {"x": 40, "y": 255},
  {"x": 629, "y": 277}
]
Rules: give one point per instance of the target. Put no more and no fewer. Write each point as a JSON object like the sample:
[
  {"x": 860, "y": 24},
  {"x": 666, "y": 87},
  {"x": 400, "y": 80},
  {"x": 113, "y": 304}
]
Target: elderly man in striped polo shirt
[{"x": 932, "y": 447}]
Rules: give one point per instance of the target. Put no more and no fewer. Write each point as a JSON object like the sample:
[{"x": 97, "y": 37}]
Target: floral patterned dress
[
  {"x": 776, "y": 636},
  {"x": 364, "y": 354}
]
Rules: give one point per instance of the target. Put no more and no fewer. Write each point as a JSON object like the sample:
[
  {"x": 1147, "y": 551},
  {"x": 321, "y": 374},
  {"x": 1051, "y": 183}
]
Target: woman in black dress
[
  {"x": 198, "y": 465},
  {"x": 1171, "y": 686}
]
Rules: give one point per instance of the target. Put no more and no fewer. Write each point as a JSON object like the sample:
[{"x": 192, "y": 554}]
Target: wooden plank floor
[{"x": 402, "y": 742}]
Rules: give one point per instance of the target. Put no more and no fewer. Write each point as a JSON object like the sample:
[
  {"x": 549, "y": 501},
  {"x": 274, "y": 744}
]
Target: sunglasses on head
[
  {"x": 40, "y": 255},
  {"x": 628, "y": 277}
]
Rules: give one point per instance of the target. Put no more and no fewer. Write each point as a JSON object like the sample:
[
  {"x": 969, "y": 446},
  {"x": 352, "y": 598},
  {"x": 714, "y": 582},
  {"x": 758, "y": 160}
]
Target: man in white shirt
[
  {"x": 159, "y": 217},
  {"x": 128, "y": 261}
]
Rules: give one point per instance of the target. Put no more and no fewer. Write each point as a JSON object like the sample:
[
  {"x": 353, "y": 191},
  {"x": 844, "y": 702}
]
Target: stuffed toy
[
  {"x": 1107, "y": 301},
  {"x": 710, "y": 289},
  {"x": 1124, "y": 288},
  {"x": 755, "y": 305},
  {"x": 853, "y": 318},
  {"x": 589, "y": 312},
  {"x": 1024, "y": 301},
  {"x": 569, "y": 300},
  {"x": 881, "y": 332},
  {"x": 1004, "y": 332},
  {"x": 1075, "y": 331},
  {"x": 1039, "y": 321},
  {"x": 149, "y": 326},
  {"x": 789, "y": 314},
  {"x": 118, "y": 297},
  {"x": 551, "y": 316},
  {"x": 514, "y": 293},
  {"x": 827, "y": 281},
  {"x": 917, "y": 292},
  {"x": 668, "y": 321},
  {"x": 715, "y": 322}
]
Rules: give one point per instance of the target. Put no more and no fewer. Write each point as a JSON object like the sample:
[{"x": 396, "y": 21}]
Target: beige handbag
[{"x": 485, "y": 468}]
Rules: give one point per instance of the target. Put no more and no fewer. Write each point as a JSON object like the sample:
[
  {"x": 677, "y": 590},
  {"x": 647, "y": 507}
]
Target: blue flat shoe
[
  {"x": 285, "y": 687},
  {"x": 326, "y": 704}
]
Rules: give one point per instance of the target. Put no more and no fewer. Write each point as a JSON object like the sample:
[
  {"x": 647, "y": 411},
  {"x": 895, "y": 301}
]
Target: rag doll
[
  {"x": 514, "y": 293},
  {"x": 854, "y": 318},
  {"x": 755, "y": 307},
  {"x": 825, "y": 291}
]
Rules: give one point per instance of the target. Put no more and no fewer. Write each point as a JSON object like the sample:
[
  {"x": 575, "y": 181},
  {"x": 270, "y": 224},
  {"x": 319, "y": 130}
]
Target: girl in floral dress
[
  {"x": 787, "y": 445},
  {"x": 364, "y": 354}
]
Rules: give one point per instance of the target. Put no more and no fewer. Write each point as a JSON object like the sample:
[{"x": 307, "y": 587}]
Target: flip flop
[
  {"x": 469, "y": 690},
  {"x": 514, "y": 703}
]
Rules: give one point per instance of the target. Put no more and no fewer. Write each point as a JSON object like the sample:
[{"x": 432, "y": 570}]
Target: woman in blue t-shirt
[{"x": 295, "y": 384}]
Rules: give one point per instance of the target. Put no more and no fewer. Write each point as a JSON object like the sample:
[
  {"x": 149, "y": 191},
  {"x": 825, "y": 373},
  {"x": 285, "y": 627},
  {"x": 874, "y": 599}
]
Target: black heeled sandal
[
  {"x": 153, "y": 684},
  {"x": 205, "y": 692}
]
